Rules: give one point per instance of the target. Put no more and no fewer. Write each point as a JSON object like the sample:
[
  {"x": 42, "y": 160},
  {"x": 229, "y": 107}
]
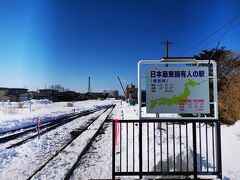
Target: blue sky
[{"x": 64, "y": 42}]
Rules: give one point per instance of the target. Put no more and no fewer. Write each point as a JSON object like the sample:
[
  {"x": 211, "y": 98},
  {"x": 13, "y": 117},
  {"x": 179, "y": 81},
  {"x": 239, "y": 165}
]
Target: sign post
[
  {"x": 187, "y": 87},
  {"x": 187, "y": 143}
]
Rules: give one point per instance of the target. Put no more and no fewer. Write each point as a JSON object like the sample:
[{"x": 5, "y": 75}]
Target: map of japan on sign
[{"x": 177, "y": 90}]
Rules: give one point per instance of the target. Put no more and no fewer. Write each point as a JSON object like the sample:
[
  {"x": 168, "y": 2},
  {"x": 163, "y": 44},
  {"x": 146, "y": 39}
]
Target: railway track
[
  {"x": 31, "y": 133},
  {"x": 86, "y": 135}
]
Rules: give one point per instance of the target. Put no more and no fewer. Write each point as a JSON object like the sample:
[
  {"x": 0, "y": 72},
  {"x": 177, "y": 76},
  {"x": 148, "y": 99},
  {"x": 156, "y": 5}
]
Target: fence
[{"x": 180, "y": 148}]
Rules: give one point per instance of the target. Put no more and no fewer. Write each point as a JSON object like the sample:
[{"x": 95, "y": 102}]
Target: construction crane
[{"x": 122, "y": 87}]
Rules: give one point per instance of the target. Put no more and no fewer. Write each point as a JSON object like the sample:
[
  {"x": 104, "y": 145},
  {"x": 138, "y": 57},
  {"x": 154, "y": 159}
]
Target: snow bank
[
  {"x": 25, "y": 103},
  {"x": 37, "y": 101}
]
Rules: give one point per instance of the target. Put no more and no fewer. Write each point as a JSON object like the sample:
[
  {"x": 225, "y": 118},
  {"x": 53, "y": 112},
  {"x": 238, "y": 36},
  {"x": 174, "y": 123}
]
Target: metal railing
[{"x": 166, "y": 148}]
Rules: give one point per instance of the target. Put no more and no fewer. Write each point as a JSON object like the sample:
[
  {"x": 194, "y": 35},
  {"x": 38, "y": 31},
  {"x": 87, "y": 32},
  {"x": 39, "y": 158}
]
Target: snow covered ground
[
  {"x": 97, "y": 162},
  {"x": 22, "y": 161},
  {"x": 15, "y": 115},
  {"x": 230, "y": 151},
  {"x": 61, "y": 164}
]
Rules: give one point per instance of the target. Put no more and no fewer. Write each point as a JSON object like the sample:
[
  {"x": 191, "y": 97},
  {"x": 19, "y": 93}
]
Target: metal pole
[
  {"x": 113, "y": 149},
  {"x": 139, "y": 117},
  {"x": 139, "y": 92},
  {"x": 194, "y": 150},
  {"x": 140, "y": 149},
  {"x": 219, "y": 152},
  {"x": 167, "y": 49}
]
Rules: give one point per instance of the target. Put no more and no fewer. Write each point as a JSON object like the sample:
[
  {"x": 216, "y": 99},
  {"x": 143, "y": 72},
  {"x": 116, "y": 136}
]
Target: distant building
[
  {"x": 12, "y": 98},
  {"x": 67, "y": 96},
  {"x": 96, "y": 95},
  {"x": 132, "y": 92},
  {"x": 82, "y": 97},
  {"x": 24, "y": 97},
  {"x": 113, "y": 94},
  {"x": 17, "y": 91},
  {"x": 3, "y": 93},
  {"x": 48, "y": 94},
  {"x": 17, "y": 94},
  {"x": 33, "y": 94}
]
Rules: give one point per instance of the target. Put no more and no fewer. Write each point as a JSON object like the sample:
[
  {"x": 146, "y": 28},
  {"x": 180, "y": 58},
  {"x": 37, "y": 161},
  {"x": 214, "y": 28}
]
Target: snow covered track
[
  {"x": 33, "y": 127},
  {"x": 31, "y": 133},
  {"x": 62, "y": 164}
]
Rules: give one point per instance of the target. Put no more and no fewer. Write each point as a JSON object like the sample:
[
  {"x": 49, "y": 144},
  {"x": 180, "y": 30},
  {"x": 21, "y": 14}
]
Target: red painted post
[{"x": 38, "y": 126}]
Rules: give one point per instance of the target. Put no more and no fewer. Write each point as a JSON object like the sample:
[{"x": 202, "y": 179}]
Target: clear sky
[{"x": 64, "y": 42}]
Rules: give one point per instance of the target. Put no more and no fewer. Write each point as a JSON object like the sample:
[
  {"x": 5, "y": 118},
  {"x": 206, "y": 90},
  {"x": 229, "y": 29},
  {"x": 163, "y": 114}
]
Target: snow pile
[
  {"x": 37, "y": 101},
  {"x": 26, "y": 103}
]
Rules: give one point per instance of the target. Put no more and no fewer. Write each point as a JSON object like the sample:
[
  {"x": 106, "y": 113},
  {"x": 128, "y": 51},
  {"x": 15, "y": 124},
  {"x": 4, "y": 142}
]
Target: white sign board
[{"x": 182, "y": 90}]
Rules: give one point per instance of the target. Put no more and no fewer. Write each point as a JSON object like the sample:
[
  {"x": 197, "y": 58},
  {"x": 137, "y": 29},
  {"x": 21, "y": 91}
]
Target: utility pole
[{"x": 166, "y": 43}]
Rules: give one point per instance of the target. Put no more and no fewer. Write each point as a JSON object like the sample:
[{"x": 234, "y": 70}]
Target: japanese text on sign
[{"x": 178, "y": 90}]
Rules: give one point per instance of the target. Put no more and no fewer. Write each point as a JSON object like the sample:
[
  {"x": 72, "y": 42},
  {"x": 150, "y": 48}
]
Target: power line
[
  {"x": 212, "y": 34},
  {"x": 230, "y": 29},
  {"x": 220, "y": 38}
]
